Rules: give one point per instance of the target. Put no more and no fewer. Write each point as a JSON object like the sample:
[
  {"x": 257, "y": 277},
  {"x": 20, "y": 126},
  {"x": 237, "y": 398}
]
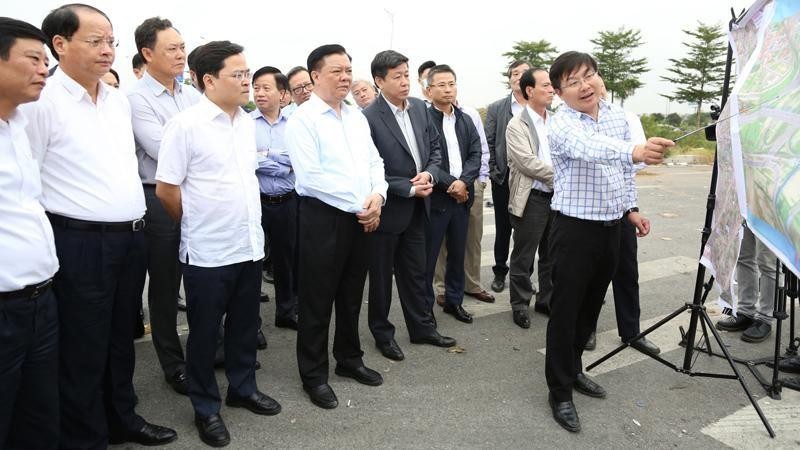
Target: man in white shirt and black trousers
[
  {"x": 80, "y": 134},
  {"x": 28, "y": 307},
  {"x": 206, "y": 179}
]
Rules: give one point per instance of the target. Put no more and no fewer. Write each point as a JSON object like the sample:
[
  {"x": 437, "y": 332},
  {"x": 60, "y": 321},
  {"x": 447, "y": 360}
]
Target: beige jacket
[{"x": 524, "y": 165}]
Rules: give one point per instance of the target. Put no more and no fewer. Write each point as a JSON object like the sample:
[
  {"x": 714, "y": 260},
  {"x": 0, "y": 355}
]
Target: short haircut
[
  {"x": 192, "y": 57},
  {"x": 384, "y": 61},
  {"x": 528, "y": 80},
  {"x": 294, "y": 71},
  {"x": 13, "y": 29},
  {"x": 361, "y": 80},
  {"x": 63, "y": 21},
  {"x": 137, "y": 61},
  {"x": 569, "y": 62},
  {"x": 114, "y": 72},
  {"x": 211, "y": 59},
  {"x": 514, "y": 64},
  {"x": 281, "y": 82},
  {"x": 317, "y": 56},
  {"x": 145, "y": 34},
  {"x": 425, "y": 66},
  {"x": 441, "y": 68}
]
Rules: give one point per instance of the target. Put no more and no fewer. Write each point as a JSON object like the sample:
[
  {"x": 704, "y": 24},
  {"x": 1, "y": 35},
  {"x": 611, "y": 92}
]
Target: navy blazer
[
  {"x": 469, "y": 144},
  {"x": 397, "y": 160}
]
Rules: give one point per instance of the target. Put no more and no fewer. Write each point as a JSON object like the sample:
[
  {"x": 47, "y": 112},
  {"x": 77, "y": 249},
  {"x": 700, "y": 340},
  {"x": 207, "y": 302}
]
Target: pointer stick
[{"x": 724, "y": 119}]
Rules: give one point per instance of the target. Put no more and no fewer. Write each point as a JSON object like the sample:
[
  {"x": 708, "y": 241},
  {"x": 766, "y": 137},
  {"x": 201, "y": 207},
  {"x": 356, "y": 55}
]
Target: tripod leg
[
  {"x": 779, "y": 314},
  {"x": 728, "y": 356}
]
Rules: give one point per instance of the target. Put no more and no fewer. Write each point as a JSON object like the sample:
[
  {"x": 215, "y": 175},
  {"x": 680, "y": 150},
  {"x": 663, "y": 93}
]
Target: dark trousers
[
  {"x": 451, "y": 222},
  {"x": 163, "y": 236},
  {"x": 279, "y": 223},
  {"x": 211, "y": 292},
  {"x": 585, "y": 256},
  {"x": 502, "y": 225},
  {"x": 626, "y": 284},
  {"x": 98, "y": 291},
  {"x": 332, "y": 271},
  {"x": 405, "y": 253},
  {"x": 29, "y": 373},
  {"x": 531, "y": 234}
]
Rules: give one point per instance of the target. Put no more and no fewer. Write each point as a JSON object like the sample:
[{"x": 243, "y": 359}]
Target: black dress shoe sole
[
  {"x": 593, "y": 394},
  {"x": 564, "y": 425},
  {"x": 754, "y": 340},
  {"x": 322, "y": 404},
  {"x": 253, "y": 409},
  {"x": 146, "y": 443},
  {"x": 214, "y": 443},
  {"x": 739, "y": 327},
  {"x": 435, "y": 343},
  {"x": 390, "y": 354},
  {"x": 645, "y": 349},
  {"x": 463, "y": 319},
  {"x": 366, "y": 381}
]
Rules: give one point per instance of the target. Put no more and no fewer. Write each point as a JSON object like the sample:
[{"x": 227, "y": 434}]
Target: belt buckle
[
  {"x": 40, "y": 289},
  {"x": 137, "y": 225}
]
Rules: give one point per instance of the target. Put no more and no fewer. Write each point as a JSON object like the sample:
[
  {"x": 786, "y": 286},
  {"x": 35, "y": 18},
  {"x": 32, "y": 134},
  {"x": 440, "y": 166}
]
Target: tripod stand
[{"x": 697, "y": 308}]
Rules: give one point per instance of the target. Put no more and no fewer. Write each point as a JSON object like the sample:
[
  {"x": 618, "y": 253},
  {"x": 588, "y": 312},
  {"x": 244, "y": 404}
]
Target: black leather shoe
[
  {"x": 149, "y": 435},
  {"x": 790, "y": 364},
  {"x": 212, "y": 430},
  {"x": 363, "y": 375},
  {"x": 758, "y": 332},
  {"x": 458, "y": 312},
  {"x": 286, "y": 323},
  {"x": 591, "y": 343},
  {"x": 586, "y": 386},
  {"x": 258, "y": 402},
  {"x": 178, "y": 382},
  {"x": 434, "y": 339},
  {"x": 262, "y": 340},
  {"x": 541, "y": 309},
  {"x": 731, "y": 323},
  {"x": 391, "y": 350},
  {"x": 565, "y": 414},
  {"x": 521, "y": 319},
  {"x": 645, "y": 346},
  {"x": 322, "y": 396},
  {"x": 499, "y": 284}
]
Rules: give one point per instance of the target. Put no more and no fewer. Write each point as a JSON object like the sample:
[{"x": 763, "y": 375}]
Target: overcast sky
[{"x": 469, "y": 38}]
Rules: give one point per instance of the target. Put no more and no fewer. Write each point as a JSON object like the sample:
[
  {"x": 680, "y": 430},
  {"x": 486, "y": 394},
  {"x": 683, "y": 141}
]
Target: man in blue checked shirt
[{"x": 594, "y": 191}]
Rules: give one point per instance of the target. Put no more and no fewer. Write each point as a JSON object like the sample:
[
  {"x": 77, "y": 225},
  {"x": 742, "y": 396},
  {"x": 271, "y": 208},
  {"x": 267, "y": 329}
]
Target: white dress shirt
[
  {"x": 483, "y": 174},
  {"x": 27, "y": 252},
  {"x": 451, "y": 138},
  {"x": 213, "y": 160},
  {"x": 334, "y": 158},
  {"x": 544, "y": 145},
  {"x": 404, "y": 122},
  {"x": 85, "y": 151},
  {"x": 516, "y": 107}
]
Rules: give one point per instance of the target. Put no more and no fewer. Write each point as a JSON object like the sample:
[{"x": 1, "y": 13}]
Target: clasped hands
[{"x": 370, "y": 216}]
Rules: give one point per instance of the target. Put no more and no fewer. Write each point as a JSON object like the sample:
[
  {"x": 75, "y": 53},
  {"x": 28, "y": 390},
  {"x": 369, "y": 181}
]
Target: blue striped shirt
[{"x": 593, "y": 163}]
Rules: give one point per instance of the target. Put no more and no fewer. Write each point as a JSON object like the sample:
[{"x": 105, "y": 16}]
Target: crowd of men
[{"x": 99, "y": 188}]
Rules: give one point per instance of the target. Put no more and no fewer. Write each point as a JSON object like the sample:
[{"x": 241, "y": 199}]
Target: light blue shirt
[
  {"x": 592, "y": 163},
  {"x": 334, "y": 158},
  {"x": 275, "y": 175},
  {"x": 151, "y": 108}
]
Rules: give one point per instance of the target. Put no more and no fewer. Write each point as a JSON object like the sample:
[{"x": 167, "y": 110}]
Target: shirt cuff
[{"x": 412, "y": 191}]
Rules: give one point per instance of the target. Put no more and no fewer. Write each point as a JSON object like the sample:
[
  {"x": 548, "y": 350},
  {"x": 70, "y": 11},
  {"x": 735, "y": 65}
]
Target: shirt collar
[
  {"x": 602, "y": 108},
  {"x": 157, "y": 88},
  {"x": 256, "y": 114},
  {"x": 16, "y": 123},
  {"x": 75, "y": 90},
  {"x": 317, "y": 105},
  {"x": 535, "y": 116},
  {"x": 394, "y": 108},
  {"x": 212, "y": 112}
]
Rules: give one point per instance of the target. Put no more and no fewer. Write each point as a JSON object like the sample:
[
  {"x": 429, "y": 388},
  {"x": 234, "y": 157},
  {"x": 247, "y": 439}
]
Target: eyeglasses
[
  {"x": 97, "y": 42},
  {"x": 308, "y": 87},
  {"x": 240, "y": 75},
  {"x": 585, "y": 79},
  {"x": 450, "y": 85}
]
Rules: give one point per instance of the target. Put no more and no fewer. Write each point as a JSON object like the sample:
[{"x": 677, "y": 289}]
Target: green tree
[
  {"x": 619, "y": 69},
  {"x": 699, "y": 75},
  {"x": 538, "y": 53},
  {"x": 674, "y": 119}
]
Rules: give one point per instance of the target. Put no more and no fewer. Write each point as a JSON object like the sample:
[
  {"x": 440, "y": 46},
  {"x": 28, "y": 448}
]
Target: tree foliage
[
  {"x": 539, "y": 53},
  {"x": 618, "y": 67},
  {"x": 699, "y": 75}
]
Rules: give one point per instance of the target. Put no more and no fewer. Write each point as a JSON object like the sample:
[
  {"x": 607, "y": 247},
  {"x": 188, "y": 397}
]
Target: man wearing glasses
[
  {"x": 80, "y": 133},
  {"x": 206, "y": 180},
  {"x": 593, "y": 161},
  {"x": 300, "y": 85}
]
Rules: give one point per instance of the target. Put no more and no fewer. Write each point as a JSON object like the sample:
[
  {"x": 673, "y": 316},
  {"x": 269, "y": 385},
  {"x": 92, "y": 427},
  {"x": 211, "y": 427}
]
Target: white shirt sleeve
[{"x": 174, "y": 155}]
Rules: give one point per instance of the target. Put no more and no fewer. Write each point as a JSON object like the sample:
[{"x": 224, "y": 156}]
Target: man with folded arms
[
  {"x": 80, "y": 133},
  {"x": 206, "y": 180},
  {"x": 594, "y": 191},
  {"x": 408, "y": 142}
]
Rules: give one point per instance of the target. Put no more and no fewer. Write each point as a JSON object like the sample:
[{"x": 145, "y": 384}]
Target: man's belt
[
  {"x": 602, "y": 223},
  {"x": 31, "y": 292},
  {"x": 539, "y": 193},
  {"x": 276, "y": 199},
  {"x": 87, "y": 225}
]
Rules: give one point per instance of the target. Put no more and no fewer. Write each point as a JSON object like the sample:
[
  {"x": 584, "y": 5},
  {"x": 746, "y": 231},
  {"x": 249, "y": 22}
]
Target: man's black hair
[
  {"x": 567, "y": 63},
  {"x": 13, "y": 29},
  {"x": 385, "y": 61},
  {"x": 425, "y": 66},
  {"x": 63, "y": 21},
  {"x": 316, "y": 57},
  {"x": 294, "y": 71},
  {"x": 192, "y": 57},
  {"x": 514, "y": 64},
  {"x": 137, "y": 62},
  {"x": 211, "y": 59},
  {"x": 145, "y": 34},
  {"x": 281, "y": 82},
  {"x": 528, "y": 80},
  {"x": 116, "y": 75},
  {"x": 441, "y": 68}
]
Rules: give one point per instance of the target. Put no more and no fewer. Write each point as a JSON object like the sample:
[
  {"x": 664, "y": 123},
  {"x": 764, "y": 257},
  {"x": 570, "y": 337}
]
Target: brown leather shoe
[
  {"x": 440, "y": 299},
  {"x": 481, "y": 296}
]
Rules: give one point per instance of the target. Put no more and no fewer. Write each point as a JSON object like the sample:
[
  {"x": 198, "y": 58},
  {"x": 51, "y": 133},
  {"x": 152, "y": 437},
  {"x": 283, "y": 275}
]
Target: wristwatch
[{"x": 634, "y": 209}]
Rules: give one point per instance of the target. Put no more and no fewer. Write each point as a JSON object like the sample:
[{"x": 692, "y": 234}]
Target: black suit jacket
[
  {"x": 469, "y": 144},
  {"x": 397, "y": 160},
  {"x": 497, "y": 117}
]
